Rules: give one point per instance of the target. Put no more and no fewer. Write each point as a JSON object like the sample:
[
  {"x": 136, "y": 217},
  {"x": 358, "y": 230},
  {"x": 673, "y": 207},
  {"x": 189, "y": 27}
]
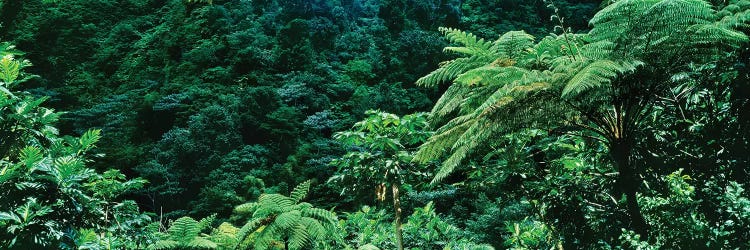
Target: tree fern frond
[
  {"x": 473, "y": 45},
  {"x": 513, "y": 44},
  {"x": 245, "y": 209},
  {"x": 715, "y": 34},
  {"x": 201, "y": 243},
  {"x": 449, "y": 102},
  {"x": 443, "y": 139},
  {"x": 184, "y": 229},
  {"x": 735, "y": 15},
  {"x": 307, "y": 231},
  {"x": 300, "y": 191},
  {"x": 508, "y": 105},
  {"x": 286, "y": 220},
  {"x": 596, "y": 74},
  {"x": 249, "y": 227},
  {"x": 164, "y": 244},
  {"x": 597, "y": 50},
  {"x": 449, "y": 70},
  {"x": 278, "y": 219},
  {"x": 266, "y": 237},
  {"x": 477, "y": 52},
  {"x": 273, "y": 203},
  {"x": 491, "y": 74},
  {"x": 618, "y": 18},
  {"x": 299, "y": 237},
  {"x": 320, "y": 214}
]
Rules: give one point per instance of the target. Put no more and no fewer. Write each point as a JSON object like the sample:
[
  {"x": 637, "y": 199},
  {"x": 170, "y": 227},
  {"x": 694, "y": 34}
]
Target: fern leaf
[
  {"x": 449, "y": 70},
  {"x": 201, "y": 243},
  {"x": 287, "y": 220},
  {"x": 299, "y": 237},
  {"x": 164, "y": 244},
  {"x": 183, "y": 229},
  {"x": 513, "y": 44},
  {"x": 249, "y": 227},
  {"x": 300, "y": 191},
  {"x": 475, "y": 44},
  {"x": 320, "y": 214},
  {"x": 597, "y": 74}
]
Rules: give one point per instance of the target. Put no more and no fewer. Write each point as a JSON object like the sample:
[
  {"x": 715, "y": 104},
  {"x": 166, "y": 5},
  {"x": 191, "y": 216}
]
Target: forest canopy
[{"x": 374, "y": 124}]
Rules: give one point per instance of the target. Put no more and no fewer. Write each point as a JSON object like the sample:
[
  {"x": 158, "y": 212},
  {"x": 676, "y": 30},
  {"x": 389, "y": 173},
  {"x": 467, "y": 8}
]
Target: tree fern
[
  {"x": 185, "y": 233},
  {"x": 277, "y": 219},
  {"x": 601, "y": 82}
]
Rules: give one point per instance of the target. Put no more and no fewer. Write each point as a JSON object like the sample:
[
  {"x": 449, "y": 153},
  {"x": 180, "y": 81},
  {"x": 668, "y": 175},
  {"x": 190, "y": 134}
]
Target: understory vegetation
[{"x": 374, "y": 124}]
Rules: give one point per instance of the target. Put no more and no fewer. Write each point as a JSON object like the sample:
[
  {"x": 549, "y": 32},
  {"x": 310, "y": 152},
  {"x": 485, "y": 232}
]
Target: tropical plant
[
  {"x": 279, "y": 221},
  {"x": 24, "y": 121},
  {"x": 47, "y": 189},
  {"x": 381, "y": 155},
  {"x": 601, "y": 85},
  {"x": 185, "y": 233}
]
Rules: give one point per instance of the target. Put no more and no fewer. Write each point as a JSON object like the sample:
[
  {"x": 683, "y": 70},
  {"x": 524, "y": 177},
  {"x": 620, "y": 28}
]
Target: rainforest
[{"x": 374, "y": 124}]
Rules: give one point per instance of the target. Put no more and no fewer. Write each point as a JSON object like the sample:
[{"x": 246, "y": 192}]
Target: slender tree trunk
[
  {"x": 397, "y": 208},
  {"x": 628, "y": 182}
]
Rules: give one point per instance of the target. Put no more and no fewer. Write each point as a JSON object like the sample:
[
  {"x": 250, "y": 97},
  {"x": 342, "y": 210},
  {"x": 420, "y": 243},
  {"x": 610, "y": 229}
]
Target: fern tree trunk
[
  {"x": 397, "y": 208},
  {"x": 628, "y": 183}
]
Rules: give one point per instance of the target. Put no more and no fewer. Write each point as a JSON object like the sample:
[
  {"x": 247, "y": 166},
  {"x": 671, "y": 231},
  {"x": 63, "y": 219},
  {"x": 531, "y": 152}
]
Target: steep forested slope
[
  {"x": 551, "y": 124},
  {"x": 188, "y": 94}
]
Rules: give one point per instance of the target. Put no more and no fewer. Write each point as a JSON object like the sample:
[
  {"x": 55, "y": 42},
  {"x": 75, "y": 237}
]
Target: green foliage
[
  {"x": 382, "y": 143},
  {"x": 680, "y": 222},
  {"x": 368, "y": 226},
  {"x": 530, "y": 234},
  {"x": 185, "y": 233},
  {"x": 48, "y": 191},
  {"x": 24, "y": 121},
  {"x": 283, "y": 221},
  {"x": 613, "y": 50},
  {"x": 544, "y": 141},
  {"x": 200, "y": 1},
  {"x": 424, "y": 229}
]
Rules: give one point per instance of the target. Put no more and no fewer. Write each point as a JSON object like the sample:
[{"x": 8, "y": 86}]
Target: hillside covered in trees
[{"x": 374, "y": 124}]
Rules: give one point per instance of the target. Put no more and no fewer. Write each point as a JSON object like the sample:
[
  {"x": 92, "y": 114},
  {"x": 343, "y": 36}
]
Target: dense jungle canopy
[{"x": 374, "y": 124}]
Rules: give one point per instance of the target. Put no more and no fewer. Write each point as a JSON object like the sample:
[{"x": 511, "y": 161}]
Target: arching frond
[
  {"x": 735, "y": 15},
  {"x": 184, "y": 229},
  {"x": 164, "y": 244},
  {"x": 472, "y": 45},
  {"x": 561, "y": 79},
  {"x": 596, "y": 74},
  {"x": 449, "y": 102},
  {"x": 507, "y": 110},
  {"x": 476, "y": 52},
  {"x": 300, "y": 192},
  {"x": 185, "y": 232},
  {"x": 201, "y": 243},
  {"x": 513, "y": 44},
  {"x": 449, "y": 70}
]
